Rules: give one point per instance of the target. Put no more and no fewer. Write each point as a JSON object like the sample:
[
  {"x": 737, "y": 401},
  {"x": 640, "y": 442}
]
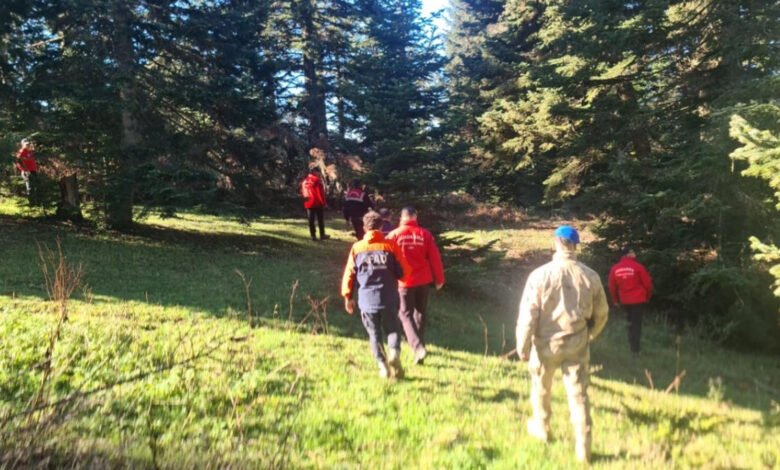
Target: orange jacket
[
  {"x": 420, "y": 252},
  {"x": 375, "y": 264}
]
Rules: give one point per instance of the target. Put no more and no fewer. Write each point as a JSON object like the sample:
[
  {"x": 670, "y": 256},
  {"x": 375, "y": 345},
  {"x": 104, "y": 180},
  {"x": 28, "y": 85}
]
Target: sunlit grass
[{"x": 277, "y": 393}]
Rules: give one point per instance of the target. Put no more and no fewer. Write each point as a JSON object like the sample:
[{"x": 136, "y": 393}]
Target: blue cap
[{"x": 568, "y": 233}]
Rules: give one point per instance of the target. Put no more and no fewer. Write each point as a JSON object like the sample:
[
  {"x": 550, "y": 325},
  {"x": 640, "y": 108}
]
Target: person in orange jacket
[
  {"x": 374, "y": 266},
  {"x": 420, "y": 251},
  {"x": 313, "y": 193},
  {"x": 631, "y": 287}
]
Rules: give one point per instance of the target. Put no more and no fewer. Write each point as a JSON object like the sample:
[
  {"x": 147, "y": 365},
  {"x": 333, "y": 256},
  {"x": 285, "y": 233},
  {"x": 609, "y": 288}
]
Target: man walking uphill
[
  {"x": 423, "y": 256},
  {"x": 28, "y": 168},
  {"x": 356, "y": 204},
  {"x": 630, "y": 286},
  {"x": 376, "y": 264},
  {"x": 563, "y": 308},
  {"x": 313, "y": 192}
]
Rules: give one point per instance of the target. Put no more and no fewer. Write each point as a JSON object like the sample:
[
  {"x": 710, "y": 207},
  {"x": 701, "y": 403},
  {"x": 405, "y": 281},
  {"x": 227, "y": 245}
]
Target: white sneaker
[
  {"x": 383, "y": 371},
  {"x": 419, "y": 355},
  {"x": 395, "y": 364},
  {"x": 538, "y": 430}
]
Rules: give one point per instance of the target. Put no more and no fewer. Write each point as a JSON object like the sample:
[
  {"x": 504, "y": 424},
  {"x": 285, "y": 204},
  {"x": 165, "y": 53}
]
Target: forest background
[{"x": 657, "y": 121}]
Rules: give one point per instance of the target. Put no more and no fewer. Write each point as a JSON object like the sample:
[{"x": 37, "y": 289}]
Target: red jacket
[
  {"x": 629, "y": 282},
  {"x": 313, "y": 192},
  {"x": 25, "y": 160},
  {"x": 420, "y": 251},
  {"x": 356, "y": 204}
]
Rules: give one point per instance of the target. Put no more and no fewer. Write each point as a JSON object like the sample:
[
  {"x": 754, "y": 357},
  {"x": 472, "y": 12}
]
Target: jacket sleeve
[
  {"x": 323, "y": 193},
  {"x": 406, "y": 268},
  {"x": 528, "y": 317},
  {"x": 613, "y": 288},
  {"x": 600, "y": 309},
  {"x": 434, "y": 257},
  {"x": 647, "y": 282},
  {"x": 348, "y": 278},
  {"x": 304, "y": 193}
]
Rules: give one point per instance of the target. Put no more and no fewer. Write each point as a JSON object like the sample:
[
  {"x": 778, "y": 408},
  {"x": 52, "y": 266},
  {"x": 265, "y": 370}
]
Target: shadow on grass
[
  {"x": 195, "y": 272},
  {"x": 173, "y": 267}
]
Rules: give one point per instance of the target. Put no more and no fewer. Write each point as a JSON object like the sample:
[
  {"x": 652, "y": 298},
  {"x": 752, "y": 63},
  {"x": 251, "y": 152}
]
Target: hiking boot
[
  {"x": 419, "y": 355},
  {"x": 325, "y": 237},
  {"x": 383, "y": 370},
  {"x": 538, "y": 430},
  {"x": 395, "y": 364}
]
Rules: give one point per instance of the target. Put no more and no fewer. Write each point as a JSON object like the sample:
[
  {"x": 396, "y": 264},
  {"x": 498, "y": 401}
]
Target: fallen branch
[
  {"x": 766, "y": 388},
  {"x": 509, "y": 354},
  {"x": 484, "y": 326},
  {"x": 649, "y": 379},
  {"x": 292, "y": 298},
  {"x": 675, "y": 383},
  {"x": 247, "y": 284}
]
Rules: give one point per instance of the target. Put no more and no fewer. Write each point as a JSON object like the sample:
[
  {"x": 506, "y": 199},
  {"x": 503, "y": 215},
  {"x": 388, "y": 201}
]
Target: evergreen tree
[
  {"x": 760, "y": 149},
  {"x": 391, "y": 83},
  {"x": 618, "y": 107},
  {"x": 144, "y": 96}
]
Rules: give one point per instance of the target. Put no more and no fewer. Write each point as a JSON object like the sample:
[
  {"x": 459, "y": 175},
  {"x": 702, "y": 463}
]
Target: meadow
[{"x": 201, "y": 341}]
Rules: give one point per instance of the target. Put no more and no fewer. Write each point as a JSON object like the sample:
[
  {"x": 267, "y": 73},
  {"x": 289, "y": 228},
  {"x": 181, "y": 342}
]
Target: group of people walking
[
  {"x": 563, "y": 306},
  {"x": 391, "y": 276}
]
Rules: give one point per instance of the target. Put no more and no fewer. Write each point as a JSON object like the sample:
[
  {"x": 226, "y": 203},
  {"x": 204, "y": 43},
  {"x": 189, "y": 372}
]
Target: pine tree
[
  {"x": 148, "y": 98},
  {"x": 760, "y": 149},
  {"x": 391, "y": 85}
]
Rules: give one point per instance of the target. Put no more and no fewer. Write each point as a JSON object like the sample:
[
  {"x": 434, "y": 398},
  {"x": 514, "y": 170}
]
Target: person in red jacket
[
  {"x": 28, "y": 168},
  {"x": 630, "y": 286},
  {"x": 313, "y": 192},
  {"x": 356, "y": 205},
  {"x": 423, "y": 256}
]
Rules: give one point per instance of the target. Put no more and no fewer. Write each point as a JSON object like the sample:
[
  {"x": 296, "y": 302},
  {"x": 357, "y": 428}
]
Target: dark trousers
[
  {"x": 357, "y": 224},
  {"x": 375, "y": 323},
  {"x": 634, "y": 314},
  {"x": 320, "y": 214},
  {"x": 414, "y": 303}
]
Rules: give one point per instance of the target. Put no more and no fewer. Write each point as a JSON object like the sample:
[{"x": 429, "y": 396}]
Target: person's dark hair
[
  {"x": 408, "y": 212},
  {"x": 627, "y": 249},
  {"x": 356, "y": 183},
  {"x": 567, "y": 244},
  {"x": 384, "y": 212},
  {"x": 315, "y": 169},
  {"x": 372, "y": 221}
]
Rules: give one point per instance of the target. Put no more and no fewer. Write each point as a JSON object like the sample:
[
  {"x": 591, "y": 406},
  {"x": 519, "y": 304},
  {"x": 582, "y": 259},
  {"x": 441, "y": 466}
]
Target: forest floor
[{"x": 163, "y": 364}]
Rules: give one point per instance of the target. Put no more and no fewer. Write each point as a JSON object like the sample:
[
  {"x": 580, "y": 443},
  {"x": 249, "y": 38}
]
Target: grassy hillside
[{"x": 161, "y": 366}]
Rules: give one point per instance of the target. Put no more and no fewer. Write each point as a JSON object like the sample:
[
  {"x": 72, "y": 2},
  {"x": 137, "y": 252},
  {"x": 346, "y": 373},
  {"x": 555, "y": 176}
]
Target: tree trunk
[
  {"x": 340, "y": 105},
  {"x": 315, "y": 95},
  {"x": 119, "y": 207},
  {"x": 639, "y": 136},
  {"x": 69, "y": 206}
]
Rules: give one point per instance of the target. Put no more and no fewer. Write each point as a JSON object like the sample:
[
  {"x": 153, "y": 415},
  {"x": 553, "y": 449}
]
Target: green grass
[{"x": 165, "y": 311}]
